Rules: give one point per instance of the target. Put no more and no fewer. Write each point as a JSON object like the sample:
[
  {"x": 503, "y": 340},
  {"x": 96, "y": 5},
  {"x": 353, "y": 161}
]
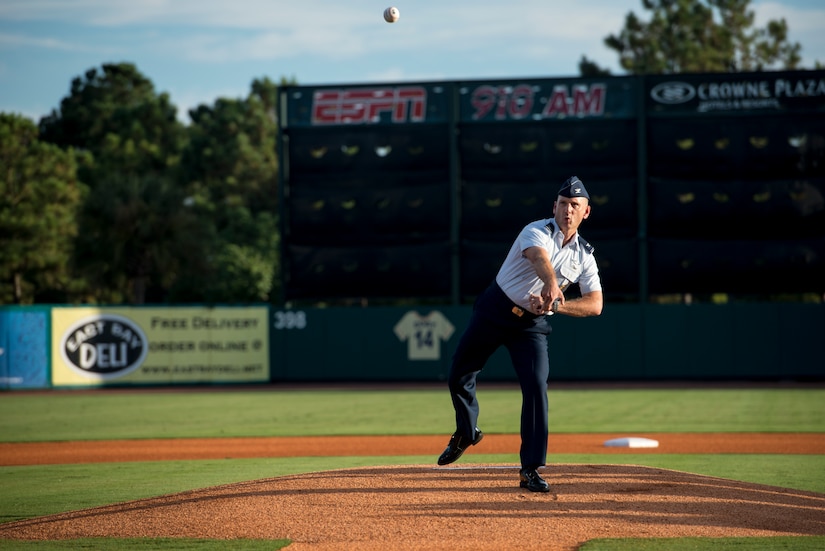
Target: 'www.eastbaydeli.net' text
[{"x": 203, "y": 369}]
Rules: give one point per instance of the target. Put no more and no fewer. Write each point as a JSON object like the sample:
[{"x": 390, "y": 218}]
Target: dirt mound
[{"x": 464, "y": 507}]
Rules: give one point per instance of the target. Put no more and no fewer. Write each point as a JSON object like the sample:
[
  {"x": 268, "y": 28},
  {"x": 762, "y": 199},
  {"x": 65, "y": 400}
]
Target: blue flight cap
[{"x": 573, "y": 187}]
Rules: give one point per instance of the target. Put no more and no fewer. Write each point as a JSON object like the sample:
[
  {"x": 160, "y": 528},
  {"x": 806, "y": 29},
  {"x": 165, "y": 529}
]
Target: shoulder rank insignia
[{"x": 586, "y": 246}]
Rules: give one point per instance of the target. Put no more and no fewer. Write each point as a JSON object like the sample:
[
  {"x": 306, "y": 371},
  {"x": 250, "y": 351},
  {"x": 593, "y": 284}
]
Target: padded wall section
[
  {"x": 617, "y": 259},
  {"x": 369, "y": 212},
  {"x": 511, "y": 175},
  {"x": 332, "y": 215},
  {"x": 508, "y": 206},
  {"x": 480, "y": 261},
  {"x": 747, "y": 209},
  {"x": 326, "y": 272},
  {"x": 548, "y": 151},
  {"x": 334, "y": 150},
  {"x": 737, "y": 204},
  {"x": 727, "y": 266},
  {"x": 758, "y": 147}
]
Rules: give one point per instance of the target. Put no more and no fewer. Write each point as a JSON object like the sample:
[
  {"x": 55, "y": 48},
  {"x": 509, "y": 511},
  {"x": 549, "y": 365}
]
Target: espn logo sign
[{"x": 367, "y": 105}]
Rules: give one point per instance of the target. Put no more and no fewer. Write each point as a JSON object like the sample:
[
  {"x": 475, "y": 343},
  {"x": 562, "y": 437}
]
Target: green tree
[
  {"x": 231, "y": 168},
  {"x": 690, "y": 36},
  {"x": 39, "y": 197},
  {"x": 138, "y": 236},
  {"x": 135, "y": 229},
  {"x": 115, "y": 114}
]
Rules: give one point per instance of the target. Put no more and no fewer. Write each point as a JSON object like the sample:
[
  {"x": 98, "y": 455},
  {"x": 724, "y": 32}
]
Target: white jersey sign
[{"x": 423, "y": 334}]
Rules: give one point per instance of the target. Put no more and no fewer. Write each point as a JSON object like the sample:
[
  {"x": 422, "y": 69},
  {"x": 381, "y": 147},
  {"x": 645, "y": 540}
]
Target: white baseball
[{"x": 391, "y": 14}]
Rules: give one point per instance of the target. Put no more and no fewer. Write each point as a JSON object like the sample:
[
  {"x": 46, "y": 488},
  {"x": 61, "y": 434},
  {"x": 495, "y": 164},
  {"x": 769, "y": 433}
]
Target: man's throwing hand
[{"x": 540, "y": 306}]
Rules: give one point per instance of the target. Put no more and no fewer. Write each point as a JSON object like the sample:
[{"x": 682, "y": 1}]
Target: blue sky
[{"x": 200, "y": 50}]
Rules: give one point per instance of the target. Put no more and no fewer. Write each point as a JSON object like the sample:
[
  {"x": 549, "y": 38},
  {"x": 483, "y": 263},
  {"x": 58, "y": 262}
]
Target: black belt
[
  {"x": 508, "y": 304},
  {"x": 519, "y": 312}
]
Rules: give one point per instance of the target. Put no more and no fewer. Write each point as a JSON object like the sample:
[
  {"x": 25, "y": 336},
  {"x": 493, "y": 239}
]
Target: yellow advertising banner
[{"x": 99, "y": 346}]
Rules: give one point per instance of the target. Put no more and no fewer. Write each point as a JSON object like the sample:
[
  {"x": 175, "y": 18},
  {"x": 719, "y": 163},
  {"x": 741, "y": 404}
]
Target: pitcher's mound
[{"x": 459, "y": 507}]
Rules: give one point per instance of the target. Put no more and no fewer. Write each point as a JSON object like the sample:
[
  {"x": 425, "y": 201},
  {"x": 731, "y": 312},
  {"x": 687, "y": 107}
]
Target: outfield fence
[{"x": 81, "y": 347}]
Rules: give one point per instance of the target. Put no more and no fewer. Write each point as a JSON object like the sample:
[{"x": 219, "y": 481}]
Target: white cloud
[{"x": 21, "y": 40}]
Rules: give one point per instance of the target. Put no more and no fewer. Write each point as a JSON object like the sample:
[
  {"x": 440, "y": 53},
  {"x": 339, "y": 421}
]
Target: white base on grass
[{"x": 632, "y": 442}]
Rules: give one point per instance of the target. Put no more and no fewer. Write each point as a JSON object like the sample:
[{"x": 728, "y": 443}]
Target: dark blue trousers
[{"x": 492, "y": 325}]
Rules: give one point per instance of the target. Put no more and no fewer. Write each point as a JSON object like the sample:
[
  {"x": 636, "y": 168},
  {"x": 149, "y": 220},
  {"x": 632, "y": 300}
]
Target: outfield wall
[
  {"x": 625, "y": 343},
  {"x": 82, "y": 347}
]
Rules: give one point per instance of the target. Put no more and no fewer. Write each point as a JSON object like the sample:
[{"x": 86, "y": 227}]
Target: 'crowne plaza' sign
[{"x": 732, "y": 92}]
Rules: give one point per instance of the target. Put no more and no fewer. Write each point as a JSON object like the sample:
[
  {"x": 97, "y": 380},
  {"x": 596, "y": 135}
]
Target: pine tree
[
  {"x": 39, "y": 198},
  {"x": 691, "y": 36}
]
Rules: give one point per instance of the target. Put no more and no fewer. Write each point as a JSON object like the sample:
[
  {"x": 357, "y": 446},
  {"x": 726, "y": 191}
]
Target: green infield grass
[{"x": 114, "y": 414}]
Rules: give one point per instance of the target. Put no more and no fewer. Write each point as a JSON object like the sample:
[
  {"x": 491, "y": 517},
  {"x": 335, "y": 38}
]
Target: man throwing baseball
[{"x": 546, "y": 257}]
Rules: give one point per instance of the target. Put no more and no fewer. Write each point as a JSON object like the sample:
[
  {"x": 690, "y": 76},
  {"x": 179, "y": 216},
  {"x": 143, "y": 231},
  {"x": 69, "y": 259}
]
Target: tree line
[{"x": 110, "y": 199}]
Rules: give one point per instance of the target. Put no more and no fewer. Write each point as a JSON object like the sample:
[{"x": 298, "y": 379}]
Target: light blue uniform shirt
[{"x": 573, "y": 263}]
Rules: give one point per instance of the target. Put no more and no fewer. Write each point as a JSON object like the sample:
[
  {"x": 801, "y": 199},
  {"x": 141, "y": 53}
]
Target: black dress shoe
[
  {"x": 531, "y": 480},
  {"x": 457, "y": 446}
]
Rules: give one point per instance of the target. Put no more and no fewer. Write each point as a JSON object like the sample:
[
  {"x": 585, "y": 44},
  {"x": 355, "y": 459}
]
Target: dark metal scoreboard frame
[{"x": 701, "y": 183}]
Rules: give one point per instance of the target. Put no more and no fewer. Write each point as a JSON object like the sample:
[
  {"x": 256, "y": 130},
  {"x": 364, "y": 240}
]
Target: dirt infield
[
  {"x": 109, "y": 451},
  {"x": 460, "y": 507}
]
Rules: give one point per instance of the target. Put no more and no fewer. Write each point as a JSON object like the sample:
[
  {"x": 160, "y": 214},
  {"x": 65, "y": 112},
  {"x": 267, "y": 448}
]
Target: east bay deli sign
[{"x": 124, "y": 346}]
